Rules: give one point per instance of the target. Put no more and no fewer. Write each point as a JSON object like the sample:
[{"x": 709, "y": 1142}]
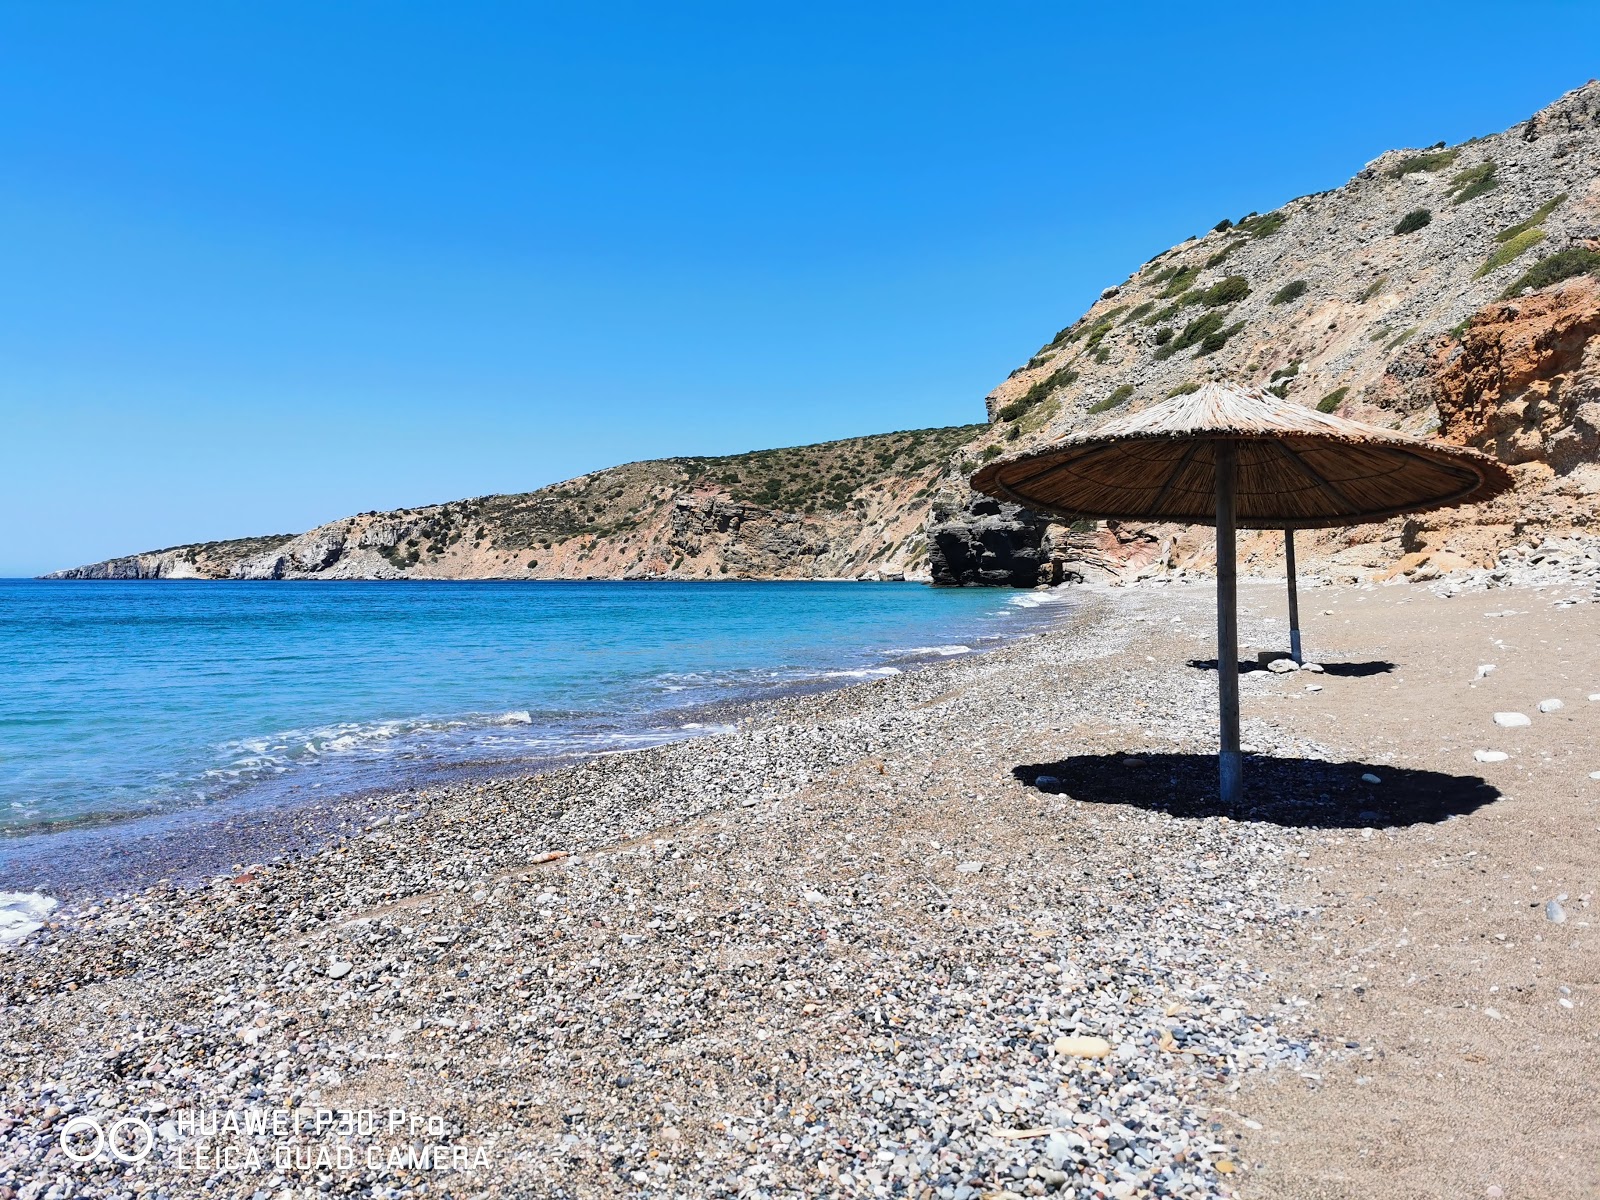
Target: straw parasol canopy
[
  {"x": 1227, "y": 457},
  {"x": 1296, "y": 468}
]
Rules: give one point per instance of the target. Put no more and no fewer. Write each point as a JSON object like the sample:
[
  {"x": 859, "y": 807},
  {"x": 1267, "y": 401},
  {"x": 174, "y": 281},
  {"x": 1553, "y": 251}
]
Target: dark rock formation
[{"x": 986, "y": 542}]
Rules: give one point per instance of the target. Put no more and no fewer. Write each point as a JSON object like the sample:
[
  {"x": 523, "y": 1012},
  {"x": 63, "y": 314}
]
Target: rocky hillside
[
  {"x": 1444, "y": 290},
  {"x": 848, "y": 508}
]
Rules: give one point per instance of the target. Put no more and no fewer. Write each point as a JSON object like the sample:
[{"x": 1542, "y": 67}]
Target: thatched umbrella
[{"x": 1226, "y": 457}]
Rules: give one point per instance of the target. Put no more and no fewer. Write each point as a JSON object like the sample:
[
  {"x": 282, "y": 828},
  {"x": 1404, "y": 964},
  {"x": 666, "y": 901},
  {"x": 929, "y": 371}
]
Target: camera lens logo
[{"x": 127, "y": 1139}]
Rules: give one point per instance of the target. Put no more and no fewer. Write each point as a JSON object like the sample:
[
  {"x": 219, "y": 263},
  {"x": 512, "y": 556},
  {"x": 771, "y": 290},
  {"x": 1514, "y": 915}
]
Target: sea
[{"x": 127, "y": 702}]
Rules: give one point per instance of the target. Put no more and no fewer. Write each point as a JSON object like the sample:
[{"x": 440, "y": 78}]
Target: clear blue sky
[{"x": 268, "y": 264}]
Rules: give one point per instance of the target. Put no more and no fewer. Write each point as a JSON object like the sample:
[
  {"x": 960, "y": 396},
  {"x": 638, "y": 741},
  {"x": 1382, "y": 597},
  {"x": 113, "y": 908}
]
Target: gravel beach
[{"x": 977, "y": 929}]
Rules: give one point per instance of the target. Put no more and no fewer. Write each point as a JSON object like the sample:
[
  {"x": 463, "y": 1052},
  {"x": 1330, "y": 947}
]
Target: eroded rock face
[
  {"x": 746, "y": 539},
  {"x": 1524, "y": 382},
  {"x": 987, "y": 542}
]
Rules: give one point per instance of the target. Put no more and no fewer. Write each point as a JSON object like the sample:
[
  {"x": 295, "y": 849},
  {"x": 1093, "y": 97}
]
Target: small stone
[
  {"x": 1554, "y": 913},
  {"x": 970, "y": 868},
  {"x": 1594, "y": 697},
  {"x": 1226, "y": 1167},
  {"x": 1046, "y": 781},
  {"x": 1494, "y": 1191},
  {"x": 1369, "y": 777},
  {"x": 1551, "y": 705},
  {"x": 1490, "y": 755},
  {"x": 338, "y": 969},
  {"x": 1512, "y": 720},
  {"x": 1313, "y": 687},
  {"x": 1494, "y": 1014},
  {"x": 1314, "y": 668},
  {"x": 1283, "y": 666},
  {"x": 1082, "y": 1047},
  {"x": 1485, "y": 670}
]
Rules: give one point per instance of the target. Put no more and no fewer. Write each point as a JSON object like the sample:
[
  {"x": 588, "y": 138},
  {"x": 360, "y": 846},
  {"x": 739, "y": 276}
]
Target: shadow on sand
[
  {"x": 1285, "y": 791},
  {"x": 1349, "y": 670}
]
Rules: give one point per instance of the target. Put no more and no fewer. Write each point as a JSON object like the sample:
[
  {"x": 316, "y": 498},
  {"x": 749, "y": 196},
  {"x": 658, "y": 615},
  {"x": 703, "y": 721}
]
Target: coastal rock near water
[{"x": 987, "y": 542}]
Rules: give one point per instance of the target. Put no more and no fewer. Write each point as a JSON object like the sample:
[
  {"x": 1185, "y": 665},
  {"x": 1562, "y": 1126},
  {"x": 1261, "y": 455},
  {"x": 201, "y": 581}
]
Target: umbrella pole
[
  {"x": 1294, "y": 599},
  {"x": 1230, "y": 766}
]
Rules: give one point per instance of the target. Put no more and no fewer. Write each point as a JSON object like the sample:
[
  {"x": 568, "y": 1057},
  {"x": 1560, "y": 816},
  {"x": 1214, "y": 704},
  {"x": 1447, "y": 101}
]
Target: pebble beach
[{"x": 978, "y": 929}]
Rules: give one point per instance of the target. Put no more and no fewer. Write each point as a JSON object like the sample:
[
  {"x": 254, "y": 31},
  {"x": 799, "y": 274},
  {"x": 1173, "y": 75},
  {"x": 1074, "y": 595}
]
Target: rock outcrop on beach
[
  {"x": 1446, "y": 291},
  {"x": 853, "y": 508}
]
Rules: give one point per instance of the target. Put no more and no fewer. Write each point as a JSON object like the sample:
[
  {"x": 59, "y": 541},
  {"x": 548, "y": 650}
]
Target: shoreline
[
  {"x": 186, "y": 846},
  {"x": 880, "y": 936}
]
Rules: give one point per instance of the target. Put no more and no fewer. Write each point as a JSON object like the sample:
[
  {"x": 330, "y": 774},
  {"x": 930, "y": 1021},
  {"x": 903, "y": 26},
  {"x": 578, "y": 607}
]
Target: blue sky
[{"x": 265, "y": 265}]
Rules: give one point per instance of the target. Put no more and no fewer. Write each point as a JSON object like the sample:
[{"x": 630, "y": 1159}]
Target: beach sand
[{"x": 866, "y": 943}]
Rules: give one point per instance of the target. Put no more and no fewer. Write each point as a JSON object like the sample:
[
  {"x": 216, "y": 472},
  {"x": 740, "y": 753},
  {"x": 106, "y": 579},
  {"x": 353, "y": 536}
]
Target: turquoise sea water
[{"x": 122, "y": 700}]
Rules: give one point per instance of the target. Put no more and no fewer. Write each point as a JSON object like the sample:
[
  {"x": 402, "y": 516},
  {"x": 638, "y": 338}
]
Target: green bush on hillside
[
  {"x": 1563, "y": 264},
  {"x": 1139, "y": 311},
  {"x": 1472, "y": 182},
  {"x": 1119, "y": 396},
  {"x": 1414, "y": 220},
  {"x": 1164, "y": 335},
  {"x": 1036, "y": 393},
  {"x": 1194, "y": 333},
  {"x": 1517, "y": 246},
  {"x": 1183, "y": 389},
  {"x": 1262, "y": 226},
  {"x": 1436, "y": 160},
  {"x": 1332, "y": 400},
  {"x": 1221, "y": 256},
  {"x": 1292, "y": 290},
  {"x": 1179, "y": 281},
  {"x": 1533, "y": 222},
  {"x": 1228, "y": 290},
  {"x": 1373, "y": 288},
  {"x": 1216, "y": 341}
]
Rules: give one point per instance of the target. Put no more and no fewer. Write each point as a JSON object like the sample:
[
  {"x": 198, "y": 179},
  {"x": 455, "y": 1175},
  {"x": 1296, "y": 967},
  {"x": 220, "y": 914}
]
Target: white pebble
[
  {"x": 1490, "y": 755},
  {"x": 1549, "y": 706},
  {"x": 1511, "y": 720}
]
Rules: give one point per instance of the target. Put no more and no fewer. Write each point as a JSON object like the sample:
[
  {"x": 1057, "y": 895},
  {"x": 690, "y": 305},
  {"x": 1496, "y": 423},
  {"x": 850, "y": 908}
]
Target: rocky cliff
[
  {"x": 1446, "y": 290},
  {"x": 850, "y": 508}
]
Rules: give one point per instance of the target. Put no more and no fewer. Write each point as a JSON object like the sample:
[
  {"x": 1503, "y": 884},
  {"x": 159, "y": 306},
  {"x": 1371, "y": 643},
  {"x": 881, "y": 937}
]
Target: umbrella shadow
[
  {"x": 1349, "y": 670},
  {"x": 1297, "y": 792}
]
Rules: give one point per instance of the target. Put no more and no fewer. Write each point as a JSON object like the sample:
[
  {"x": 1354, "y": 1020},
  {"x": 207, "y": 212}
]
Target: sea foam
[{"x": 21, "y": 913}]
